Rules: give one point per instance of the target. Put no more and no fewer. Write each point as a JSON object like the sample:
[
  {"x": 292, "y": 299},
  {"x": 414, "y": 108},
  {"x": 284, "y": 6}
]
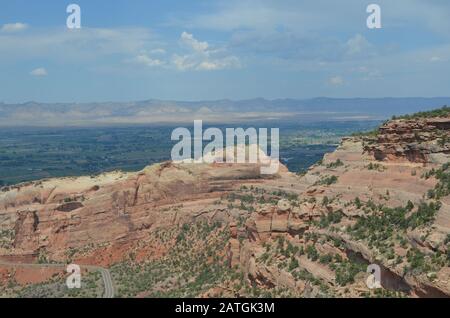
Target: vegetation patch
[
  {"x": 336, "y": 164},
  {"x": 440, "y": 112},
  {"x": 442, "y": 188},
  {"x": 195, "y": 264},
  {"x": 327, "y": 181}
]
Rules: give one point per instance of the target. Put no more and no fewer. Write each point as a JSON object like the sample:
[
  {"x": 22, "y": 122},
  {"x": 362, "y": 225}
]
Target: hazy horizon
[
  {"x": 219, "y": 111},
  {"x": 63, "y": 102}
]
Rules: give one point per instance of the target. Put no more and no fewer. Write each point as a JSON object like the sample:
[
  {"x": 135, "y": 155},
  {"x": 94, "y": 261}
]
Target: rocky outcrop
[{"x": 418, "y": 140}]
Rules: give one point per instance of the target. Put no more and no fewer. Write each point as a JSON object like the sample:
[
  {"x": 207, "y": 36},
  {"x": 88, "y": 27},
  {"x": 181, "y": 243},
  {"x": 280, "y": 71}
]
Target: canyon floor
[{"x": 225, "y": 230}]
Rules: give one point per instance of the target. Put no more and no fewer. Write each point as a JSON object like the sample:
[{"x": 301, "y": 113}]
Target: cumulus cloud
[
  {"x": 14, "y": 27},
  {"x": 300, "y": 31},
  {"x": 39, "y": 72},
  {"x": 132, "y": 45},
  {"x": 198, "y": 56},
  {"x": 201, "y": 57},
  {"x": 191, "y": 42},
  {"x": 183, "y": 63}
]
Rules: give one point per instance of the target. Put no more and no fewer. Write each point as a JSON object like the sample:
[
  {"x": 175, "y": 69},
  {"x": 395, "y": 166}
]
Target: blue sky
[{"x": 236, "y": 49}]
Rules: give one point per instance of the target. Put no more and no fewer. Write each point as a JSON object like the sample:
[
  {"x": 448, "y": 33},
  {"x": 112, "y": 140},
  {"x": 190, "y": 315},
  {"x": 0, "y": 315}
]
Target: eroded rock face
[
  {"x": 70, "y": 213},
  {"x": 410, "y": 140}
]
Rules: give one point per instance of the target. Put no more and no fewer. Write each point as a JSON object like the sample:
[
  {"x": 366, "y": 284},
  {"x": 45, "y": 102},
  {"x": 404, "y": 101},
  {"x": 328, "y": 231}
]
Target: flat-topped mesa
[{"x": 415, "y": 140}]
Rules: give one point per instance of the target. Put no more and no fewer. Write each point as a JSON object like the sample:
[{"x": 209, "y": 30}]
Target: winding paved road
[{"x": 106, "y": 275}]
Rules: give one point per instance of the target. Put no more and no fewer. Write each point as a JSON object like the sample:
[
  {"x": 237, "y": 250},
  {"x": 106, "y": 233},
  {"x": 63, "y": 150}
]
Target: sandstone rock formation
[{"x": 418, "y": 140}]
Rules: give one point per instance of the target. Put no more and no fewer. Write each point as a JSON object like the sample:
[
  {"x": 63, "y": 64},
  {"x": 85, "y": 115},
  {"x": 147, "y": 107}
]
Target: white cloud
[
  {"x": 183, "y": 63},
  {"x": 201, "y": 57},
  {"x": 336, "y": 81},
  {"x": 132, "y": 45},
  {"x": 191, "y": 42},
  {"x": 14, "y": 27},
  {"x": 39, "y": 72},
  {"x": 147, "y": 60},
  {"x": 220, "y": 64}
]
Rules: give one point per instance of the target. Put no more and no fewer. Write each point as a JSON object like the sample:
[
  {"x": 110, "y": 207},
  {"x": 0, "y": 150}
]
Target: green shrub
[
  {"x": 328, "y": 180},
  {"x": 331, "y": 218},
  {"x": 337, "y": 163},
  {"x": 311, "y": 253},
  {"x": 346, "y": 272},
  {"x": 293, "y": 264}
]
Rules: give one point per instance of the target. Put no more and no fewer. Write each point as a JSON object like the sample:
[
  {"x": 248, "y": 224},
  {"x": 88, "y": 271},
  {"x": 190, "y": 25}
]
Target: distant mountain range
[{"x": 219, "y": 111}]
